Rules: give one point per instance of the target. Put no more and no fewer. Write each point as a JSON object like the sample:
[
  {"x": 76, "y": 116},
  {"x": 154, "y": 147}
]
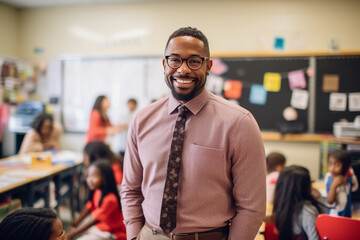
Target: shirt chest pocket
[{"x": 200, "y": 160}]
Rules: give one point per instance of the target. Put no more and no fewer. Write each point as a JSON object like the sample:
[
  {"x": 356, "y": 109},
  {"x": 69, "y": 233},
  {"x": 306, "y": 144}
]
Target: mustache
[{"x": 181, "y": 76}]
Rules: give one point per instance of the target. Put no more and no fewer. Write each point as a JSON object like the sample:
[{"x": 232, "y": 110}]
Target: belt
[{"x": 214, "y": 234}]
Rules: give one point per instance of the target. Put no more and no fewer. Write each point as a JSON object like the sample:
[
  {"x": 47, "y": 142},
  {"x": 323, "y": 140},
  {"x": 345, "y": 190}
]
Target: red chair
[
  {"x": 270, "y": 232},
  {"x": 337, "y": 228}
]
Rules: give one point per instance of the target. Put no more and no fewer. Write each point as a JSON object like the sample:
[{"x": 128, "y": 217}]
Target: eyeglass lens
[{"x": 193, "y": 63}]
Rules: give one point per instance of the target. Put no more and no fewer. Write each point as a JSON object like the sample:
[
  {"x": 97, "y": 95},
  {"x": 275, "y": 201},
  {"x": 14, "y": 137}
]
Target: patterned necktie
[{"x": 169, "y": 202}]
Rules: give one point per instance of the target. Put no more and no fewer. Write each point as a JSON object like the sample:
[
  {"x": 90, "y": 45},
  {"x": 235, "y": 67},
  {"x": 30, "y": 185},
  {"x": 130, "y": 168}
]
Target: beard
[{"x": 188, "y": 96}]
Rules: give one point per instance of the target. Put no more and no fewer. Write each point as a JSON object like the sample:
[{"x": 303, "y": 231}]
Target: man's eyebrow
[{"x": 175, "y": 54}]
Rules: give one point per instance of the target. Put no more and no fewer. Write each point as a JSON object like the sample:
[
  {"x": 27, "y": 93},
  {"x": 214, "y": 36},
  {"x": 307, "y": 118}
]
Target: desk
[{"x": 19, "y": 176}]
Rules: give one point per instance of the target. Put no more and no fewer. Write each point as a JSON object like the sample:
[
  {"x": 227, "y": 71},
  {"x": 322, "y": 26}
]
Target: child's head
[
  {"x": 275, "y": 161},
  {"x": 339, "y": 162},
  {"x": 132, "y": 104},
  {"x": 43, "y": 124},
  {"x": 32, "y": 224},
  {"x": 100, "y": 176},
  {"x": 293, "y": 182},
  {"x": 292, "y": 189},
  {"x": 97, "y": 150}
]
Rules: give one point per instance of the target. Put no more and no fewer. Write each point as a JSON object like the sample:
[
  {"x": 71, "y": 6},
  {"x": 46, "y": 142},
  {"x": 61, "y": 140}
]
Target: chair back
[
  {"x": 337, "y": 228},
  {"x": 270, "y": 232}
]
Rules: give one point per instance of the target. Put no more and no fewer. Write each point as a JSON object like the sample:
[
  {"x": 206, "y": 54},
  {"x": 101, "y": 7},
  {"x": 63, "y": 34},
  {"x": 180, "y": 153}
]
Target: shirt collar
[{"x": 194, "y": 105}]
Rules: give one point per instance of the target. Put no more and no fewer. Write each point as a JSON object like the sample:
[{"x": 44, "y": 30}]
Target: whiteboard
[{"x": 117, "y": 78}]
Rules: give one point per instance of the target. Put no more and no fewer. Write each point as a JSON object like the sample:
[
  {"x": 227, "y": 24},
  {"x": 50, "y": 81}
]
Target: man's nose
[{"x": 184, "y": 68}]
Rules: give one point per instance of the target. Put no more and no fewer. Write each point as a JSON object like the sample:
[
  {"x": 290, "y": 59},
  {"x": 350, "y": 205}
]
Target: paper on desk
[
  {"x": 65, "y": 157},
  {"x": 27, "y": 173},
  {"x": 6, "y": 181}
]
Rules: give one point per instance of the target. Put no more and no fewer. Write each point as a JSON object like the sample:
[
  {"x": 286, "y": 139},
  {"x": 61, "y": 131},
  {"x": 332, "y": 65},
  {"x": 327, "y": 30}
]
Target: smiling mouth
[{"x": 183, "y": 80}]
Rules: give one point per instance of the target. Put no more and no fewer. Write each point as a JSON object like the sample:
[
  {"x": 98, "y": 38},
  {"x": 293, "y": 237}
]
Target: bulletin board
[
  {"x": 83, "y": 79},
  {"x": 250, "y": 71},
  {"x": 346, "y": 69}
]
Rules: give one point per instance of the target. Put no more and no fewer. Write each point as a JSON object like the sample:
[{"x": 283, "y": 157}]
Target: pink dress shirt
[{"x": 222, "y": 174}]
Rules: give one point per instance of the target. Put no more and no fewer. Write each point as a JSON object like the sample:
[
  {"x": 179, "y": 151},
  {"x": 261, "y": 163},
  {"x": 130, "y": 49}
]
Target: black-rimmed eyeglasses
[{"x": 193, "y": 62}]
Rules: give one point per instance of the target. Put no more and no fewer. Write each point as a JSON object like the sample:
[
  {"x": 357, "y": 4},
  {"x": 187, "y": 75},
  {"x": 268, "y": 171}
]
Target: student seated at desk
[
  {"x": 99, "y": 150},
  {"x": 32, "y": 224},
  {"x": 44, "y": 135},
  {"x": 340, "y": 181},
  {"x": 295, "y": 209},
  {"x": 275, "y": 162},
  {"x": 103, "y": 206}
]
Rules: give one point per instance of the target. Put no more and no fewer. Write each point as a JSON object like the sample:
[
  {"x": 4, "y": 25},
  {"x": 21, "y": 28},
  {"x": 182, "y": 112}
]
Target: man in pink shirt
[{"x": 221, "y": 188}]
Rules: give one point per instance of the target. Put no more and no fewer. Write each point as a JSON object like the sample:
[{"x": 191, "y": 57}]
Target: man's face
[{"x": 184, "y": 82}]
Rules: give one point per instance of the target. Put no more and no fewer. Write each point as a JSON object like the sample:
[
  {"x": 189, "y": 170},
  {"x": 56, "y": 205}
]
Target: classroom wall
[
  {"x": 142, "y": 28},
  {"x": 9, "y": 31}
]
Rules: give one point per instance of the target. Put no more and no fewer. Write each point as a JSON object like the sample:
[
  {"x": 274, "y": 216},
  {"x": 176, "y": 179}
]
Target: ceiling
[{"x": 51, "y": 3}]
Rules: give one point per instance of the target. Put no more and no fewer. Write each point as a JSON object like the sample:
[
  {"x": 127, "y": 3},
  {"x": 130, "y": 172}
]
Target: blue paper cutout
[{"x": 258, "y": 94}]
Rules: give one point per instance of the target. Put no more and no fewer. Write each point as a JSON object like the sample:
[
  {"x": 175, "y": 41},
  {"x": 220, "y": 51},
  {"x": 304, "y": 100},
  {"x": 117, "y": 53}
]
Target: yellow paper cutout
[{"x": 272, "y": 82}]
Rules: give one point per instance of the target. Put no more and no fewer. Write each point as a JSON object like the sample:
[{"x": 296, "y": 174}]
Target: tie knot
[{"x": 183, "y": 109}]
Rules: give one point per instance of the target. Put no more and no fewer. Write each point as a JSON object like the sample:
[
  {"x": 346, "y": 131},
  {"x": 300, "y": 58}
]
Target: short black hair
[
  {"x": 28, "y": 223},
  {"x": 39, "y": 121},
  {"x": 133, "y": 100},
  {"x": 193, "y": 32},
  {"x": 344, "y": 157},
  {"x": 273, "y": 160},
  {"x": 100, "y": 150}
]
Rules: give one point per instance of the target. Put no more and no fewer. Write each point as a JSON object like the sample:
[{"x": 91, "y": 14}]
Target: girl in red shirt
[
  {"x": 106, "y": 220},
  {"x": 100, "y": 125},
  {"x": 99, "y": 150}
]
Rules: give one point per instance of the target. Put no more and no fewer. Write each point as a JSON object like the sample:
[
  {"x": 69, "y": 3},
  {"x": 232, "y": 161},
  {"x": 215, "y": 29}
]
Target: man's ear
[
  {"x": 208, "y": 66},
  {"x": 164, "y": 62}
]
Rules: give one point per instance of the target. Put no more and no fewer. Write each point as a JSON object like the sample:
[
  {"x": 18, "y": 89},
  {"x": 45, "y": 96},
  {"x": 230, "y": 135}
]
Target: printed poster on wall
[
  {"x": 337, "y": 102},
  {"x": 299, "y": 99},
  {"x": 354, "y": 102}
]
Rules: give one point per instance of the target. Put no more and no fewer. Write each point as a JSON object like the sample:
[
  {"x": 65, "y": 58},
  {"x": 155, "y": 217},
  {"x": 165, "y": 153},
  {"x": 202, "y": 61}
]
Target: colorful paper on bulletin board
[
  {"x": 337, "y": 102},
  {"x": 354, "y": 102},
  {"x": 258, "y": 94},
  {"x": 272, "y": 81},
  {"x": 233, "y": 89},
  {"x": 299, "y": 99},
  {"x": 330, "y": 83},
  {"x": 297, "y": 79},
  {"x": 218, "y": 67},
  {"x": 279, "y": 43},
  {"x": 214, "y": 84}
]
